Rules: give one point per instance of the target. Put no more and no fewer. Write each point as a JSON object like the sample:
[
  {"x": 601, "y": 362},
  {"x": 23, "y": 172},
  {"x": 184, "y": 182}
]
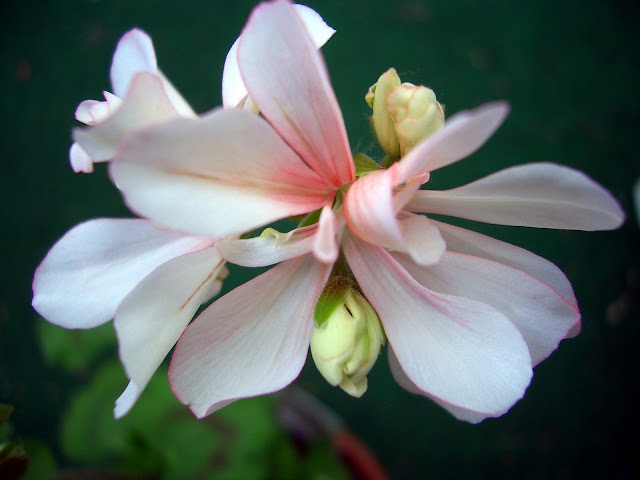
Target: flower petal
[
  {"x": 177, "y": 100},
  {"x": 424, "y": 242},
  {"x": 462, "y": 134},
  {"x": 146, "y": 103},
  {"x": 457, "y": 350},
  {"x": 152, "y": 317},
  {"x": 542, "y": 195},
  {"x": 234, "y": 90},
  {"x": 325, "y": 246},
  {"x": 90, "y": 270},
  {"x": 287, "y": 79},
  {"x": 269, "y": 248},
  {"x": 473, "y": 243},
  {"x": 134, "y": 54},
  {"x": 542, "y": 316},
  {"x": 404, "y": 381},
  {"x": 223, "y": 174},
  {"x": 252, "y": 341},
  {"x": 126, "y": 400},
  {"x": 80, "y": 160},
  {"x": 370, "y": 208}
]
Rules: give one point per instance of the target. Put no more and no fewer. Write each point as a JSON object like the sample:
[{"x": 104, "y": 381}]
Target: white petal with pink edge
[
  {"x": 252, "y": 341},
  {"x": 472, "y": 243},
  {"x": 457, "y": 350},
  {"x": 288, "y": 81},
  {"x": 542, "y": 316},
  {"x": 404, "y": 381},
  {"x": 152, "y": 317},
  {"x": 96, "y": 264},
  {"x": 541, "y": 195},
  {"x": 223, "y": 174},
  {"x": 371, "y": 211},
  {"x": 134, "y": 54},
  {"x": 146, "y": 103},
  {"x": 462, "y": 134},
  {"x": 233, "y": 89}
]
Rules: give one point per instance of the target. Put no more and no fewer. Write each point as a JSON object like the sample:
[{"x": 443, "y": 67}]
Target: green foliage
[
  {"x": 160, "y": 437},
  {"x": 74, "y": 350},
  {"x": 42, "y": 463}
]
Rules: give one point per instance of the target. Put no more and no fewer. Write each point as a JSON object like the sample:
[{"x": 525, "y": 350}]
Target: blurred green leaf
[
  {"x": 42, "y": 462},
  {"x": 74, "y": 349}
]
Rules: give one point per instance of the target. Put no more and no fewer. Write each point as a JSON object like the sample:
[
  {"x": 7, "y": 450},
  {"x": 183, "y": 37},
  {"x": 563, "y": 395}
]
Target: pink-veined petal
[
  {"x": 457, "y": 350},
  {"x": 152, "y": 317},
  {"x": 542, "y": 316},
  {"x": 462, "y": 134},
  {"x": 472, "y": 243},
  {"x": 134, "y": 54},
  {"x": 146, "y": 103},
  {"x": 287, "y": 79},
  {"x": 252, "y": 341},
  {"x": 90, "y": 270},
  {"x": 223, "y": 174},
  {"x": 233, "y": 89},
  {"x": 542, "y": 195},
  {"x": 371, "y": 211}
]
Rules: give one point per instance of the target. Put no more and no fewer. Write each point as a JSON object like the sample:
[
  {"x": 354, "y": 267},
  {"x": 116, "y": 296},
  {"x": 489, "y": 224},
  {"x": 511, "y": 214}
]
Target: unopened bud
[
  {"x": 416, "y": 114},
  {"x": 346, "y": 338},
  {"x": 381, "y": 121},
  {"x": 403, "y": 114}
]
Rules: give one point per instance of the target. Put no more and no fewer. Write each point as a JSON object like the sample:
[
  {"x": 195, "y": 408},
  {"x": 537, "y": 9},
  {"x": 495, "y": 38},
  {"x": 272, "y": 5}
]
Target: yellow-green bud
[
  {"x": 416, "y": 114},
  {"x": 381, "y": 121},
  {"x": 346, "y": 339},
  {"x": 403, "y": 114}
]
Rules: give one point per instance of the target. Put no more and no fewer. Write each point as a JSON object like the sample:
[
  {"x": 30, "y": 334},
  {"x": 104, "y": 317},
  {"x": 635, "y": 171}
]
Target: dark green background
[{"x": 570, "y": 72}]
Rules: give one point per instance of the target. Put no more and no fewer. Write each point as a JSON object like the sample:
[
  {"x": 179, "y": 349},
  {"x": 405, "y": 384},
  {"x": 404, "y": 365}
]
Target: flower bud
[
  {"x": 346, "y": 338},
  {"x": 403, "y": 114},
  {"x": 381, "y": 121},
  {"x": 416, "y": 114}
]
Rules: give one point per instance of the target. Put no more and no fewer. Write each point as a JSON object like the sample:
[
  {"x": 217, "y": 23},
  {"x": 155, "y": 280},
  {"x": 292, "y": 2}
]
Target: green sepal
[
  {"x": 332, "y": 297},
  {"x": 365, "y": 164},
  {"x": 311, "y": 219}
]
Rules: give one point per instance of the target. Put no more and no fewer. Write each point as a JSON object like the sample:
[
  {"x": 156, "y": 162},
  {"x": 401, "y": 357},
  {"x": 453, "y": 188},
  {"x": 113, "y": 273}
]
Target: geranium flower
[{"x": 466, "y": 316}]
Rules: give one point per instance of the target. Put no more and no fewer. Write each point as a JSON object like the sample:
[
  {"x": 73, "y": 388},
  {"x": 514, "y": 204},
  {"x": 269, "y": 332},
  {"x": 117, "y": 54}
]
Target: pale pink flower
[{"x": 466, "y": 316}]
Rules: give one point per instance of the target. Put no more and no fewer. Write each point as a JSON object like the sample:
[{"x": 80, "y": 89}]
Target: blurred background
[{"x": 570, "y": 70}]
